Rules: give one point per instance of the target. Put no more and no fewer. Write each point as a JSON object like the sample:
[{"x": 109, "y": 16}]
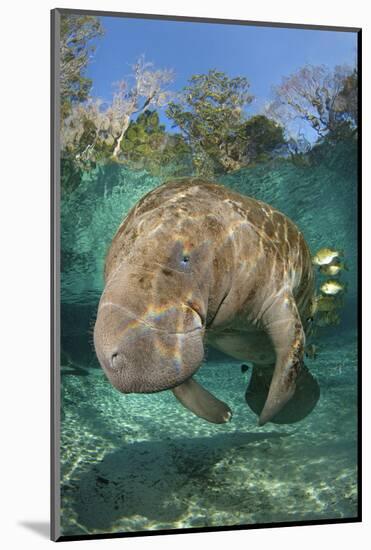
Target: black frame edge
[
  {"x": 359, "y": 274},
  {"x": 182, "y": 531}
]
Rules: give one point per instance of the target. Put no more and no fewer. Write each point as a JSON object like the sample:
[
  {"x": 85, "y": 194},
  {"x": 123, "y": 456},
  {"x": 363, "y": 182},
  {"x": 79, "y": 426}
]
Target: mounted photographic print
[{"x": 205, "y": 203}]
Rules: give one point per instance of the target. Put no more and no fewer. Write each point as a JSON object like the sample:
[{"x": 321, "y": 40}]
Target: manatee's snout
[{"x": 148, "y": 353}]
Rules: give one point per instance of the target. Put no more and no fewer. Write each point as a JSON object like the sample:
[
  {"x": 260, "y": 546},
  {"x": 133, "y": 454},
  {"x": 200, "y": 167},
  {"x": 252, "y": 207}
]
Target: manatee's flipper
[
  {"x": 281, "y": 321},
  {"x": 195, "y": 398},
  {"x": 298, "y": 407}
]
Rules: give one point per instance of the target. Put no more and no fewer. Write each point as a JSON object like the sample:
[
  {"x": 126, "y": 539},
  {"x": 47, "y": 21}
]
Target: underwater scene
[
  {"x": 133, "y": 462},
  {"x": 136, "y": 462}
]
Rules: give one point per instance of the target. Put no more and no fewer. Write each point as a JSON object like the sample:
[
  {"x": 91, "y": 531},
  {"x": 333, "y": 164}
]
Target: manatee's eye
[{"x": 185, "y": 259}]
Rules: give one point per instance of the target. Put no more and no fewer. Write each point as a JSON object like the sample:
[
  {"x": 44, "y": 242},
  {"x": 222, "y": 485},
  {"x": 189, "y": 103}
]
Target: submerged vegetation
[{"x": 212, "y": 134}]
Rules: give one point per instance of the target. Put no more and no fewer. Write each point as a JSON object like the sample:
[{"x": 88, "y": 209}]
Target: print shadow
[
  {"x": 158, "y": 480},
  {"x": 42, "y": 528}
]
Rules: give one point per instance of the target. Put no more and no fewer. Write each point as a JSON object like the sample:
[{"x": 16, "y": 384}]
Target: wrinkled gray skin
[{"x": 195, "y": 262}]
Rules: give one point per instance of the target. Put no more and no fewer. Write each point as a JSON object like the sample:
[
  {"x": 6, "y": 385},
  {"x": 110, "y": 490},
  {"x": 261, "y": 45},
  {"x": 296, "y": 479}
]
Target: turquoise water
[{"x": 138, "y": 462}]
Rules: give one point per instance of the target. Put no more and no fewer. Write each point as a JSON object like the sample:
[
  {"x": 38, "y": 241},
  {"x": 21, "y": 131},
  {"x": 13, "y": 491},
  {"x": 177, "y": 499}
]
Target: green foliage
[
  {"x": 143, "y": 138},
  {"x": 88, "y": 134},
  {"x": 262, "y": 136},
  {"x": 345, "y": 118},
  {"x": 256, "y": 140},
  {"x": 328, "y": 151},
  {"x": 147, "y": 145},
  {"x": 348, "y": 96},
  {"x": 176, "y": 156},
  {"x": 209, "y": 112},
  {"x": 76, "y": 35},
  {"x": 215, "y": 136}
]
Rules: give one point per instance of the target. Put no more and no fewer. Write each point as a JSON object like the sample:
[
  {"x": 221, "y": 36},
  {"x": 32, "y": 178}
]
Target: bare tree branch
[
  {"x": 92, "y": 125},
  {"x": 312, "y": 94}
]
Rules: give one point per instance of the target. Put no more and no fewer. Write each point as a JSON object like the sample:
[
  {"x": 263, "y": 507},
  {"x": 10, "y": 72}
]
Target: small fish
[
  {"x": 327, "y": 303},
  {"x": 332, "y": 287},
  {"x": 325, "y": 256},
  {"x": 333, "y": 268},
  {"x": 328, "y": 318}
]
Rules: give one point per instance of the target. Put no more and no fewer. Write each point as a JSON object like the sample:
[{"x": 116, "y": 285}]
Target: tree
[
  {"x": 208, "y": 112},
  {"x": 177, "y": 155},
  {"x": 147, "y": 145},
  {"x": 94, "y": 130},
  {"x": 316, "y": 97},
  {"x": 148, "y": 91},
  {"x": 86, "y": 132},
  {"x": 348, "y": 97},
  {"x": 256, "y": 140},
  {"x": 144, "y": 139},
  {"x": 76, "y": 35},
  {"x": 347, "y": 110}
]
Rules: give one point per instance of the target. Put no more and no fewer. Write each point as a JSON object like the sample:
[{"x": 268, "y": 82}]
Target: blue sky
[{"x": 261, "y": 54}]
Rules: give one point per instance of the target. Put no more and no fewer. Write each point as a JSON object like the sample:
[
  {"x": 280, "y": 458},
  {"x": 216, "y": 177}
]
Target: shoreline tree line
[{"x": 212, "y": 133}]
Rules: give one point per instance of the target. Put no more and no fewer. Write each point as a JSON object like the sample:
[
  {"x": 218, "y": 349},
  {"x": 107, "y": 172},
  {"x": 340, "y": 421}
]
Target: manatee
[{"x": 195, "y": 264}]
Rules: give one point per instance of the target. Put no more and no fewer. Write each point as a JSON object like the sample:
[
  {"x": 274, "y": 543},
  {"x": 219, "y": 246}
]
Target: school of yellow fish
[{"x": 326, "y": 305}]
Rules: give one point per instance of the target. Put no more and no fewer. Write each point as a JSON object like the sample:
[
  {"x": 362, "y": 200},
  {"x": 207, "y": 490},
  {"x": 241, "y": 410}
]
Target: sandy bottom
[{"x": 142, "y": 462}]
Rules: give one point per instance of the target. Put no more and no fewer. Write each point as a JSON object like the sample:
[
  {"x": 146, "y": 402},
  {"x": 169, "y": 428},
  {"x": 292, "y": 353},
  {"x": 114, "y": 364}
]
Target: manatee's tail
[{"x": 302, "y": 402}]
